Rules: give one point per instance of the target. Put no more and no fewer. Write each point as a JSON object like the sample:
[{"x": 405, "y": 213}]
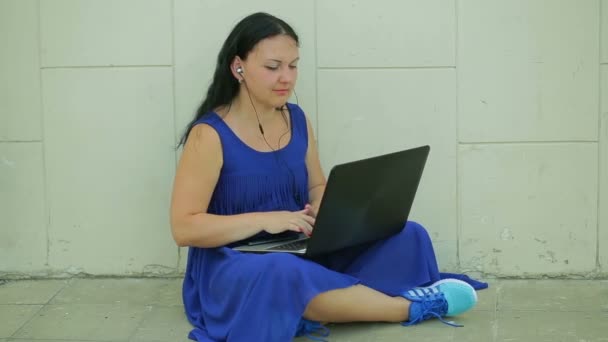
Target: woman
[{"x": 250, "y": 168}]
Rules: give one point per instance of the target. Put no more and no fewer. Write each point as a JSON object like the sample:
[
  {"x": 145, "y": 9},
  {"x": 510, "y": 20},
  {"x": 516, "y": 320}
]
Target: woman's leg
[{"x": 357, "y": 304}]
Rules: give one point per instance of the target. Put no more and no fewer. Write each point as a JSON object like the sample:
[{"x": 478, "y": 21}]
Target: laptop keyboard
[{"x": 296, "y": 245}]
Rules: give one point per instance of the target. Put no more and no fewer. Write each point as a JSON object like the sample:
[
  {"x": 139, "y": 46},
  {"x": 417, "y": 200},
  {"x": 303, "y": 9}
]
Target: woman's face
[{"x": 270, "y": 70}]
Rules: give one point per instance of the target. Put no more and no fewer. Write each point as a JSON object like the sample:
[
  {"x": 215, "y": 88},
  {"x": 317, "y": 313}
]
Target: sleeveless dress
[{"x": 233, "y": 296}]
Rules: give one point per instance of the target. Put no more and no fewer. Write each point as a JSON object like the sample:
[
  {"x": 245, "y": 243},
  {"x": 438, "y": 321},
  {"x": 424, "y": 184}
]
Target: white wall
[{"x": 509, "y": 94}]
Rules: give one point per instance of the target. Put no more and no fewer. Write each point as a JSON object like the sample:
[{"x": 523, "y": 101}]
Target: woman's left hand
[{"x": 311, "y": 210}]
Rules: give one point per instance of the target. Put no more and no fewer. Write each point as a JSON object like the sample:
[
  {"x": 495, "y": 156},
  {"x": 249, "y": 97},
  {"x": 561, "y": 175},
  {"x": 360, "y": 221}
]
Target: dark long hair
[{"x": 243, "y": 38}]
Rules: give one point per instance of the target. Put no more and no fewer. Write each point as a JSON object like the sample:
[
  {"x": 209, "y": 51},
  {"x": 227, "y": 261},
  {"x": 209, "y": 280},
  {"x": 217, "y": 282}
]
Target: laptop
[{"x": 364, "y": 201}]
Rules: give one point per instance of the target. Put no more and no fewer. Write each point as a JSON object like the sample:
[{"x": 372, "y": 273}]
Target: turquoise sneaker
[{"x": 447, "y": 297}]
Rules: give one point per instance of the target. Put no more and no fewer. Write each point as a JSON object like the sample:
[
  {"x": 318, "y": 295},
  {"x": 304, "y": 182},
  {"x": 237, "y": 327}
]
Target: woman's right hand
[{"x": 298, "y": 221}]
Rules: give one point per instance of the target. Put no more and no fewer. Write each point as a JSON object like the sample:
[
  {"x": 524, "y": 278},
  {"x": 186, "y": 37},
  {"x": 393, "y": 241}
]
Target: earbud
[{"x": 239, "y": 71}]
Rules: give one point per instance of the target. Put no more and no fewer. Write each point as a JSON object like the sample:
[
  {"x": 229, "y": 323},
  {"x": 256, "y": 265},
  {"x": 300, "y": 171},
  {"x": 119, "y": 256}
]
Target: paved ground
[{"x": 130, "y": 310}]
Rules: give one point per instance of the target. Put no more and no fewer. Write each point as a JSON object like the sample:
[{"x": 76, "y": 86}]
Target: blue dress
[{"x": 233, "y": 296}]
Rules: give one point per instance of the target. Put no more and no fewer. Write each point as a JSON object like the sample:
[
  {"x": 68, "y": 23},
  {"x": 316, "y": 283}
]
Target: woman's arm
[
  {"x": 316, "y": 178},
  {"x": 195, "y": 179}
]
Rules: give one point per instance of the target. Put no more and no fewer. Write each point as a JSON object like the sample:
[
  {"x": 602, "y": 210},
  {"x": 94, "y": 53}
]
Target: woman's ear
[{"x": 237, "y": 69}]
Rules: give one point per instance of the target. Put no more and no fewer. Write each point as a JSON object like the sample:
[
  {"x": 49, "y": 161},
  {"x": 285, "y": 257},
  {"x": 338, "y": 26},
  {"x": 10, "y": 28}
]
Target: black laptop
[{"x": 364, "y": 201}]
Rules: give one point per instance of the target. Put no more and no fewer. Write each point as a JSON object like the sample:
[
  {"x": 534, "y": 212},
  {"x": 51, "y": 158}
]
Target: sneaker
[
  {"x": 448, "y": 297},
  {"x": 307, "y": 328}
]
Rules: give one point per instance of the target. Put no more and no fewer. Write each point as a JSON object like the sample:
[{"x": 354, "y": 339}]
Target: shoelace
[
  {"x": 307, "y": 328},
  {"x": 432, "y": 304}
]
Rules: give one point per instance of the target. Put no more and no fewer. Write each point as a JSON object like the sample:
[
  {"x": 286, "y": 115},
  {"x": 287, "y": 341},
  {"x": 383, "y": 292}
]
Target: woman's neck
[{"x": 243, "y": 107}]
